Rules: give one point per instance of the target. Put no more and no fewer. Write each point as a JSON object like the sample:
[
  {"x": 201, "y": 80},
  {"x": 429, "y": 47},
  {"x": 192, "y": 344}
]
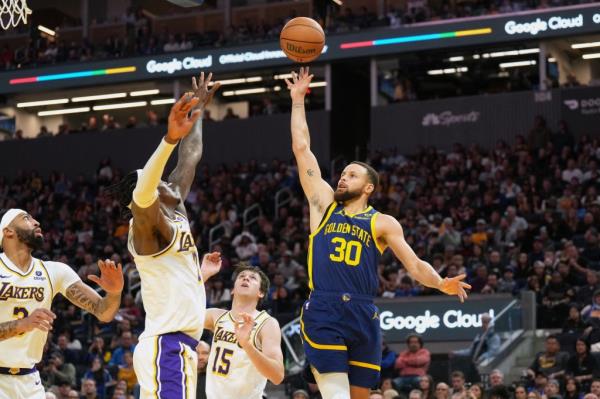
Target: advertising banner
[
  {"x": 438, "y": 318},
  {"x": 580, "y": 107}
]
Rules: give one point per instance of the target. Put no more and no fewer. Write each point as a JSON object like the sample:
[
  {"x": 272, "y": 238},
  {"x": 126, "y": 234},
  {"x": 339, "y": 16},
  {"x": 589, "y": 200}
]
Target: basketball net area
[{"x": 13, "y": 12}]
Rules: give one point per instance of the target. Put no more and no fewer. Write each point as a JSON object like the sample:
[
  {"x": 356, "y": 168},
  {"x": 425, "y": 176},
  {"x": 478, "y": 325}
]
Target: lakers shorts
[
  {"x": 341, "y": 333},
  {"x": 166, "y": 366},
  {"x": 21, "y": 386}
]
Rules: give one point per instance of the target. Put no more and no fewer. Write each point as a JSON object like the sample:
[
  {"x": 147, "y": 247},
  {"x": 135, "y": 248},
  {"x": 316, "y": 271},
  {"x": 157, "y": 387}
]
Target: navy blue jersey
[{"x": 343, "y": 254}]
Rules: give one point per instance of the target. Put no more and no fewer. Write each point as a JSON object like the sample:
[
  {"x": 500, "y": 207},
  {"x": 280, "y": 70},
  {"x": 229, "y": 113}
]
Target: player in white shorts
[
  {"x": 246, "y": 344},
  {"x": 162, "y": 245},
  {"x": 27, "y": 287}
]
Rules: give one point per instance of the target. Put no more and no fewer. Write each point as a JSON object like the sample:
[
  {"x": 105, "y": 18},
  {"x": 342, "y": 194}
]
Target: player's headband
[{"x": 8, "y": 217}]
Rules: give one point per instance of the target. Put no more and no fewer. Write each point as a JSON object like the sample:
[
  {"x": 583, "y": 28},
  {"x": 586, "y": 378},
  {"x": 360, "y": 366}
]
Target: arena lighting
[
  {"x": 48, "y": 31},
  {"x": 72, "y": 75},
  {"x": 98, "y": 97},
  {"x": 318, "y": 84},
  {"x": 416, "y": 38},
  {"x": 456, "y": 59},
  {"x": 551, "y": 59},
  {"x": 64, "y": 111},
  {"x": 517, "y": 64},
  {"x": 585, "y": 45},
  {"x": 138, "y": 93},
  {"x": 446, "y": 71},
  {"x": 163, "y": 101},
  {"x": 238, "y": 81},
  {"x": 245, "y": 91},
  {"x": 284, "y": 76},
  {"x": 591, "y": 56},
  {"x": 511, "y": 53},
  {"x": 42, "y": 102},
  {"x": 338, "y": 2},
  {"x": 120, "y": 105}
]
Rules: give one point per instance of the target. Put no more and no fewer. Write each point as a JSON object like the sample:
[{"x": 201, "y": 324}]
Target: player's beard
[
  {"x": 29, "y": 238},
  {"x": 347, "y": 195}
]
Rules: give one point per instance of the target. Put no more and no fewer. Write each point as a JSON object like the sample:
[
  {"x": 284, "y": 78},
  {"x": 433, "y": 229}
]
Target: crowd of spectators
[
  {"x": 140, "y": 39},
  {"x": 513, "y": 217}
]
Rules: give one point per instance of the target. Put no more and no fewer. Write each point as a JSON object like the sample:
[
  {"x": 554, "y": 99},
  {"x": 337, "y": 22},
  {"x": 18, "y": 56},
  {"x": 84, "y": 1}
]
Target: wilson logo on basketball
[{"x": 300, "y": 49}]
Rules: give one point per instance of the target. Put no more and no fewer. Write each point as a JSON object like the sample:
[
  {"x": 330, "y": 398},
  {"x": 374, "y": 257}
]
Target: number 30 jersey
[
  {"x": 230, "y": 373},
  {"x": 172, "y": 288},
  {"x": 343, "y": 252}
]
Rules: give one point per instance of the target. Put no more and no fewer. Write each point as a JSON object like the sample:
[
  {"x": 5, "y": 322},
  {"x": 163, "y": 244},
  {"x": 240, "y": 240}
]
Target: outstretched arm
[
  {"x": 148, "y": 220},
  {"x": 390, "y": 234},
  {"x": 318, "y": 192},
  {"x": 269, "y": 360},
  {"x": 190, "y": 149},
  {"x": 86, "y": 298}
]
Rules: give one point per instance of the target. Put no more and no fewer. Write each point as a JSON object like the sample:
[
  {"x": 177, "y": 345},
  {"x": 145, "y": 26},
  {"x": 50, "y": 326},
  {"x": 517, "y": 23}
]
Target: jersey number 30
[
  {"x": 346, "y": 251},
  {"x": 222, "y": 361}
]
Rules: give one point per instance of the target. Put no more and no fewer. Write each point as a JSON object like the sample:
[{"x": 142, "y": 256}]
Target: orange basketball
[{"x": 302, "y": 39}]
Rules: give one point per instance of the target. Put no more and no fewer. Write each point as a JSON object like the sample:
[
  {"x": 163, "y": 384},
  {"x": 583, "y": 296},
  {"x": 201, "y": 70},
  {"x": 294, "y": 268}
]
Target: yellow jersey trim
[
  {"x": 310, "y": 243},
  {"x": 219, "y": 318},
  {"x": 365, "y": 365},
  {"x": 374, "y": 233},
  {"x": 357, "y": 213},
  {"x": 49, "y": 279},
  {"x": 16, "y": 273},
  {"x": 155, "y": 366},
  {"x": 184, "y": 371},
  {"x": 319, "y": 346},
  {"x": 257, "y": 331}
]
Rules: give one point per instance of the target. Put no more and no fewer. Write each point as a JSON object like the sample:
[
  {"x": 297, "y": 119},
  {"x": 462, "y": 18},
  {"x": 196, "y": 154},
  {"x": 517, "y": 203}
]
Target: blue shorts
[{"x": 341, "y": 333}]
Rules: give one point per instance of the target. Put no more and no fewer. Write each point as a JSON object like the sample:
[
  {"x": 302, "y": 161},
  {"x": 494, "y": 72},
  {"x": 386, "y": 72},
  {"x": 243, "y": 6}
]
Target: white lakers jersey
[
  {"x": 172, "y": 287},
  {"x": 20, "y": 294},
  {"x": 230, "y": 374}
]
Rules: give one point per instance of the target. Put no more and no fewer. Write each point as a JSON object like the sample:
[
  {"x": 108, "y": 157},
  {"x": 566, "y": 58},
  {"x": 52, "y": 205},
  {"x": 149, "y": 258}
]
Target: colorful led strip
[
  {"x": 72, "y": 75},
  {"x": 416, "y": 38}
]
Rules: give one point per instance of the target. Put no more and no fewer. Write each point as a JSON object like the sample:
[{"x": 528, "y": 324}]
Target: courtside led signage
[
  {"x": 417, "y": 38},
  {"x": 72, "y": 75}
]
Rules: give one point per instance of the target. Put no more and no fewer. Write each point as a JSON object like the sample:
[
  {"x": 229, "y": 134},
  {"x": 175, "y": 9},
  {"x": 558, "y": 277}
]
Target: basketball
[{"x": 302, "y": 39}]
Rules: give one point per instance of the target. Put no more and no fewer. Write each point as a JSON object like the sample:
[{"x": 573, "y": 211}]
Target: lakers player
[
  {"x": 340, "y": 323},
  {"x": 160, "y": 240},
  {"x": 27, "y": 287},
  {"x": 246, "y": 347}
]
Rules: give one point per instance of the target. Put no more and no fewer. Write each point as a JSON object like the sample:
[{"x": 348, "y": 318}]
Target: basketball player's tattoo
[
  {"x": 189, "y": 154},
  {"x": 80, "y": 298},
  {"x": 8, "y": 329},
  {"x": 103, "y": 308},
  {"x": 310, "y": 172}
]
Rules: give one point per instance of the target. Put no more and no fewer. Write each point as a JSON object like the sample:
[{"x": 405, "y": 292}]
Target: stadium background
[{"x": 482, "y": 117}]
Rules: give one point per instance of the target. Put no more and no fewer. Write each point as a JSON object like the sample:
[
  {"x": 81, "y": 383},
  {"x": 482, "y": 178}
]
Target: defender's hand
[
  {"x": 111, "y": 277},
  {"x": 455, "y": 286},
  {"x": 201, "y": 90},
  {"x": 180, "y": 122},
  {"x": 299, "y": 84},
  {"x": 211, "y": 264},
  {"x": 243, "y": 329}
]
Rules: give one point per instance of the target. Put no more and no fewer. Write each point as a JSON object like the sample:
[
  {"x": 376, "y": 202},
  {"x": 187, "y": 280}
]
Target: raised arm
[
  {"x": 390, "y": 234},
  {"x": 86, "y": 298},
  {"x": 190, "y": 148},
  {"x": 318, "y": 192},
  {"x": 148, "y": 220},
  {"x": 269, "y": 360}
]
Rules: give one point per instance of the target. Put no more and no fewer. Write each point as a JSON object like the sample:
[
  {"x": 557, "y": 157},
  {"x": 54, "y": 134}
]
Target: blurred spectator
[
  {"x": 458, "y": 384},
  {"x": 58, "y": 371},
  {"x": 203, "y": 350},
  {"x": 88, "y": 389},
  {"x": 101, "y": 377},
  {"x": 496, "y": 378},
  {"x": 442, "y": 391},
  {"x": 581, "y": 365},
  {"x": 427, "y": 386},
  {"x": 388, "y": 361},
  {"x": 229, "y": 114},
  {"x": 486, "y": 343},
  {"x": 552, "y": 362},
  {"x": 125, "y": 345},
  {"x": 127, "y": 373},
  {"x": 412, "y": 364}
]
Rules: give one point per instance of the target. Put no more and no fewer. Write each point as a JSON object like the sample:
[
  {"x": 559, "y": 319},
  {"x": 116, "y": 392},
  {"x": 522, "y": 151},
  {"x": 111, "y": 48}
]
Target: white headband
[{"x": 8, "y": 217}]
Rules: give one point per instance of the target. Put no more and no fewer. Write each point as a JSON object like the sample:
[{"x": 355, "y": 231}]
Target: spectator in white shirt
[
  {"x": 571, "y": 172},
  {"x": 171, "y": 45},
  {"x": 245, "y": 245}
]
